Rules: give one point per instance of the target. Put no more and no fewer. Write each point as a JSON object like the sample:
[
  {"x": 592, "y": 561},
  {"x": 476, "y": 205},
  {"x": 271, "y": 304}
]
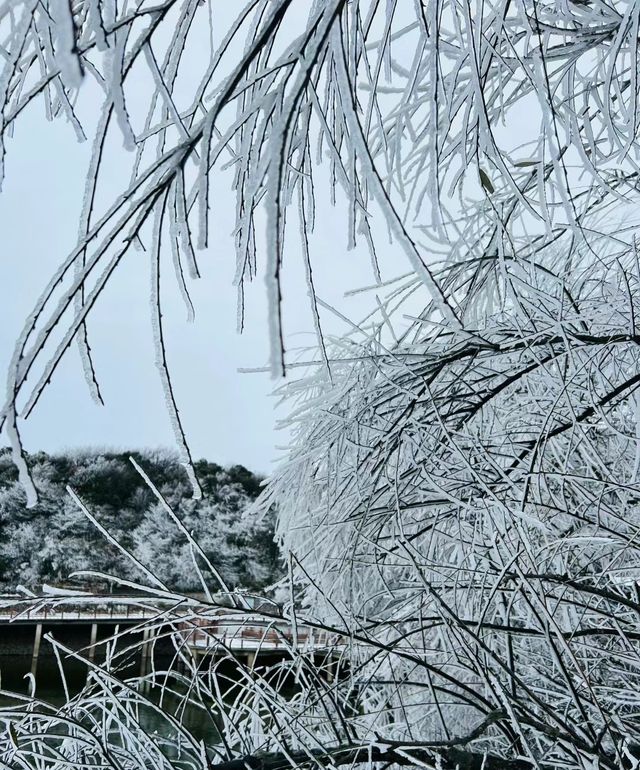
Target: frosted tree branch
[{"x": 460, "y": 502}]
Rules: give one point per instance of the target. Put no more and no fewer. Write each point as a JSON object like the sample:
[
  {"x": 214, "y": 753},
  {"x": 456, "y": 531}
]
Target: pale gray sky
[{"x": 229, "y": 417}]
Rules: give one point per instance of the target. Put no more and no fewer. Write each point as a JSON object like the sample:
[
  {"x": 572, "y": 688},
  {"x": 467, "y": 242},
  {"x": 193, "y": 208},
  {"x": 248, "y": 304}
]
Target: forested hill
[{"x": 46, "y": 543}]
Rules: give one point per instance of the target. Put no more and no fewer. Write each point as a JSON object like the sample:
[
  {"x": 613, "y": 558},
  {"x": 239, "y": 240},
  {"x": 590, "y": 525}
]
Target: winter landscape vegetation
[
  {"x": 442, "y": 568},
  {"x": 50, "y": 541}
]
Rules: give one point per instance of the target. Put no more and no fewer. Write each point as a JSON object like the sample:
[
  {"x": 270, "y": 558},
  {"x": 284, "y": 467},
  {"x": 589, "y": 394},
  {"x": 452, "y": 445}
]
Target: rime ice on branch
[{"x": 462, "y": 496}]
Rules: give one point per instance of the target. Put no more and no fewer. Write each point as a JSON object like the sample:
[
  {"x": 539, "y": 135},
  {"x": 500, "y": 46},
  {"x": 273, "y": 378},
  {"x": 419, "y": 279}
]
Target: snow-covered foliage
[
  {"x": 472, "y": 504},
  {"x": 461, "y": 499},
  {"x": 473, "y": 131},
  {"x": 49, "y": 542}
]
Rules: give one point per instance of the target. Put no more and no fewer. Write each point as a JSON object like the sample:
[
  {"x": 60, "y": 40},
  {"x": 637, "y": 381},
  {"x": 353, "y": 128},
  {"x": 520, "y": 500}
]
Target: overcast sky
[{"x": 229, "y": 417}]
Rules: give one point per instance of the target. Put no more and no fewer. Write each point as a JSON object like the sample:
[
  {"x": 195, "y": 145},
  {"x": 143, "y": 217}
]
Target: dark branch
[{"x": 409, "y": 755}]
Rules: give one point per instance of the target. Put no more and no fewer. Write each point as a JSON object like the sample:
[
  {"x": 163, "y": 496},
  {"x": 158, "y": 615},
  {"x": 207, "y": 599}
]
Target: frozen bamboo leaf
[{"x": 485, "y": 181}]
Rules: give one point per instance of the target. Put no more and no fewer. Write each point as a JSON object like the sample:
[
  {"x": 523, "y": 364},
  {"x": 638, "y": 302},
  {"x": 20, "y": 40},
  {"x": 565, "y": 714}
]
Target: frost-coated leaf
[{"x": 486, "y": 182}]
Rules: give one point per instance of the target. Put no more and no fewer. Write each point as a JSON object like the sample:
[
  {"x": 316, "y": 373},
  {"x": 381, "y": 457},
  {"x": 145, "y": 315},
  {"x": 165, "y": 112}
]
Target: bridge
[
  {"x": 30, "y": 612},
  {"x": 218, "y": 631}
]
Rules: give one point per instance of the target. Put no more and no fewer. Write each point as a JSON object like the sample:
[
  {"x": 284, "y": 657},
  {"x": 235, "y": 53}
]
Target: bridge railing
[
  {"x": 126, "y": 611},
  {"x": 204, "y": 632},
  {"x": 251, "y": 633}
]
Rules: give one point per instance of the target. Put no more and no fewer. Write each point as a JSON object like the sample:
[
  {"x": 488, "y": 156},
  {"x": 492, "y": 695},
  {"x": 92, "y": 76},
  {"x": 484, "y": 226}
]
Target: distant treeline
[{"x": 46, "y": 543}]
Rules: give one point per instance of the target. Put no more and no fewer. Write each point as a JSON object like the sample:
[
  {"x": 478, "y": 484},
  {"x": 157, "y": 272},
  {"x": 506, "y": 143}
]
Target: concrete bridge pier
[
  {"x": 146, "y": 651},
  {"x": 92, "y": 647},
  {"x": 92, "y": 641},
  {"x": 37, "y": 640}
]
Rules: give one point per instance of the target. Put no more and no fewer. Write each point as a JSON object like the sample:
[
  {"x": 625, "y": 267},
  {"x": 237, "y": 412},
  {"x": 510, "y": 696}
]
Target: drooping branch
[{"x": 404, "y": 755}]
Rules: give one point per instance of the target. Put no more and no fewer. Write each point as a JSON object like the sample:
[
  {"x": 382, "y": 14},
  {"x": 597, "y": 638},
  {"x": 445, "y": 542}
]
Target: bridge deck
[
  {"x": 88, "y": 615},
  {"x": 209, "y": 632}
]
